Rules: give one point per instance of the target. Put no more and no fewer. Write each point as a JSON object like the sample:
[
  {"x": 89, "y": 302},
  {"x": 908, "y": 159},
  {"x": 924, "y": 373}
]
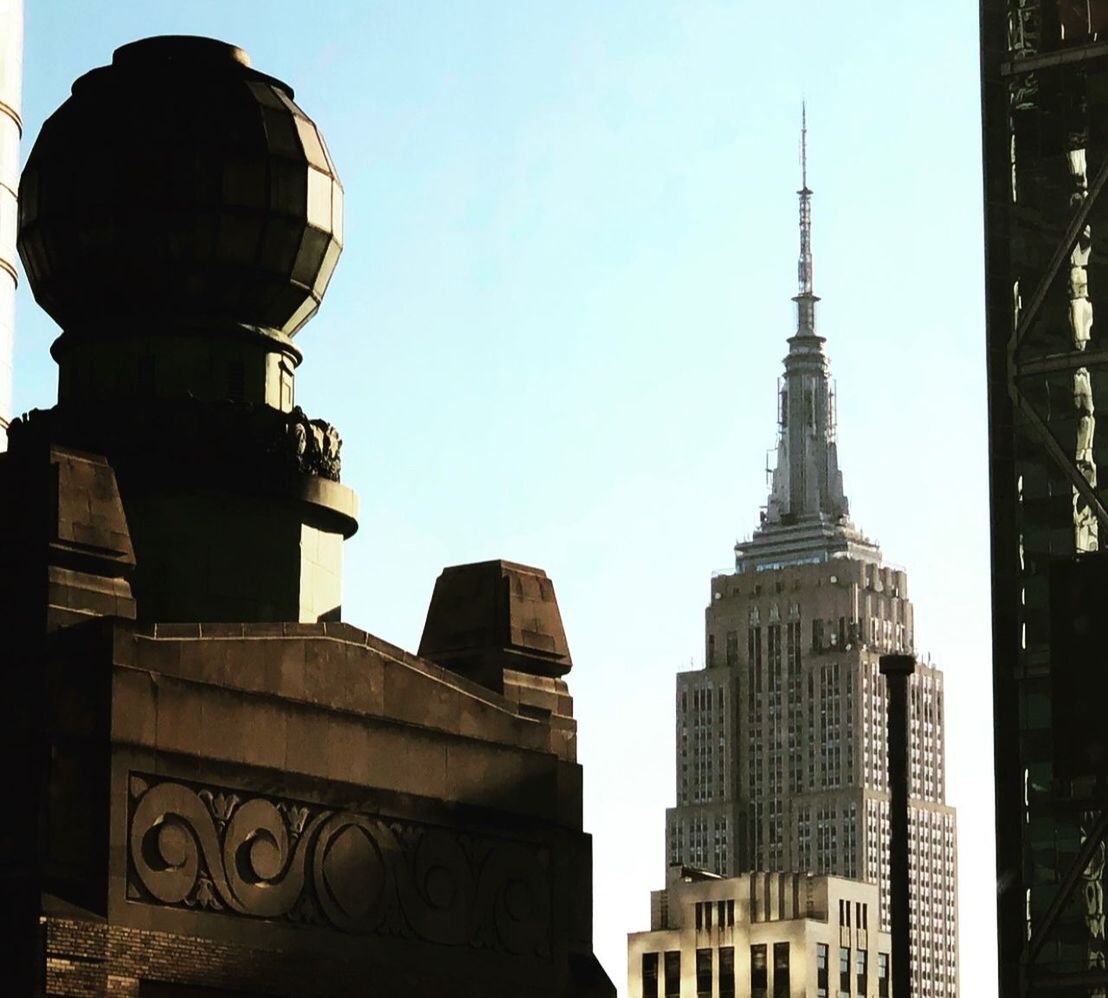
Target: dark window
[
  {"x": 842, "y": 632},
  {"x": 711, "y": 650},
  {"x": 727, "y": 972},
  {"x": 759, "y": 973},
  {"x": 882, "y": 975},
  {"x": 861, "y": 969},
  {"x": 707, "y": 914},
  {"x": 673, "y": 974},
  {"x": 774, "y": 648},
  {"x": 817, "y": 635},
  {"x": 754, "y": 658},
  {"x": 720, "y": 906},
  {"x": 703, "y": 973},
  {"x": 844, "y": 970},
  {"x": 699, "y": 916},
  {"x": 792, "y": 647},
  {"x": 732, "y": 649},
  {"x": 650, "y": 975},
  {"x": 821, "y": 970},
  {"x": 780, "y": 970},
  {"x": 730, "y": 912}
]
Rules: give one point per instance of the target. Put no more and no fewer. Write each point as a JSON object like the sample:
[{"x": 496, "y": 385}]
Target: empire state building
[{"x": 781, "y": 758}]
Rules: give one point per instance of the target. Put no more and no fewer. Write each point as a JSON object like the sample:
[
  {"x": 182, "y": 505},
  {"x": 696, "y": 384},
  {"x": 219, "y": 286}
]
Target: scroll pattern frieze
[{"x": 244, "y": 855}]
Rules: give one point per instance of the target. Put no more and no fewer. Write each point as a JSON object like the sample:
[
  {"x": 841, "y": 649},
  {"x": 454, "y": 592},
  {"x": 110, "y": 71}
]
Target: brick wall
[{"x": 85, "y": 958}]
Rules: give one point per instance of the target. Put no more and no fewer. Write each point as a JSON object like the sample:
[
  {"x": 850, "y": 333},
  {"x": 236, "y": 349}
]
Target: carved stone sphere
[{"x": 178, "y": 186}]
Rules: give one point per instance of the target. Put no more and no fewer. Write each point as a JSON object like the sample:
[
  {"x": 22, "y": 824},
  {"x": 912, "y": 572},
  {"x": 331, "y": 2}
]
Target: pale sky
[{"x": 555, "y": 332}]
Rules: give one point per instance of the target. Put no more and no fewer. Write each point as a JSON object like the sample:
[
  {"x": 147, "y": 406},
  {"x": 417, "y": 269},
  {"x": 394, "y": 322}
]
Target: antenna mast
[
  {"x": 804, "y": 271},
  {"x": 805, "y": 299}
]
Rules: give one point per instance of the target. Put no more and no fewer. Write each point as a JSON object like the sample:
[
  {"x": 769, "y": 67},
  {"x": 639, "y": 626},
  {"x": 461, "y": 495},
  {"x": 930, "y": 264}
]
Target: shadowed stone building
[
  {"x": 781, "y": 757},
  {"x": 222, "y": 788}
]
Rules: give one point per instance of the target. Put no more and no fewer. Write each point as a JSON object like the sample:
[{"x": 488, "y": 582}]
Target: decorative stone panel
[{"x": 243, "y": 855}]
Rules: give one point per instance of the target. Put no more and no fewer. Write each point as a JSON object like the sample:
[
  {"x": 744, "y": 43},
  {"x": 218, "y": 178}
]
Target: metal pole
[{"x": 897, "y": 669}]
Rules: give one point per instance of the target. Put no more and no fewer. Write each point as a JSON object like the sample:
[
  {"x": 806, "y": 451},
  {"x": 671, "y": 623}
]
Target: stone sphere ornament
[{"x": 178, "y": 185}]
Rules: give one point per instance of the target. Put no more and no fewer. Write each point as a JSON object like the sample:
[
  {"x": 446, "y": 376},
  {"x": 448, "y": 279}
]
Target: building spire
[
  {"x": 807, "y": 516},
  {"x": 807, "y": 483},
  {"x": 805, "y": 299}
]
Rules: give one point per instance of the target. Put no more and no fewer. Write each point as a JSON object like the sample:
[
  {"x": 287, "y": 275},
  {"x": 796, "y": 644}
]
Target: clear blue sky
[{"x": 555, "y": 332}]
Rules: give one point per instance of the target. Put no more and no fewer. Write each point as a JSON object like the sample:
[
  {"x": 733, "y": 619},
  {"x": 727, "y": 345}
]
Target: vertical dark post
[{"x": 896, "y": 669}]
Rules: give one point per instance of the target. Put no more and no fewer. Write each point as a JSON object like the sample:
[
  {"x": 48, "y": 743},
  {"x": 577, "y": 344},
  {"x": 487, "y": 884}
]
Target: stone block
[
  {"x": 203, "y": 661},
  {"x": 179, "y": 719},
  {"x": 283, "y": 663},
  {"x": 491, "y": 776},
  {"x": 224, "y": 724},
  {"x": 265, "y": 733},
  {"x": 495, "y": 615},
  {"x": 342, "y": 676},
  {"x": 134, "y": 711}
]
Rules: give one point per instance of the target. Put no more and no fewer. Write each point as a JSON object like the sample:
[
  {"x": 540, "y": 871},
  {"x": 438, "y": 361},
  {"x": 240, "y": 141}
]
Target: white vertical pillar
[{"x": 11, "y": 127}]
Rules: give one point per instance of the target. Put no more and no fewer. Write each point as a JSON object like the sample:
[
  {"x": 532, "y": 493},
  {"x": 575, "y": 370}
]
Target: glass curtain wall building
[{"x": 1045, "y": 132}]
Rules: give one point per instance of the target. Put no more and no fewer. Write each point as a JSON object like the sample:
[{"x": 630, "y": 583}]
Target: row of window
[
  {"x": 875, "y": 578},
  {"x": 705, "y": 972},
  {"x": 724, "y": 912},
  {"x": 860, "y": 980},
  {"x": 661, "y": 972},
  {"x": 861, "y": 914}
]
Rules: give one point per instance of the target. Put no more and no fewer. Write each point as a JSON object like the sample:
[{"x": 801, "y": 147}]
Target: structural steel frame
[{"x": 1008, "y": 371}]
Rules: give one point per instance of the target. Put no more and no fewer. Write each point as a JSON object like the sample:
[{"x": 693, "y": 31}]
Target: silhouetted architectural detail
[
  {"x": 897, "y": 671},
  {"x": 492, "y": 617},
  {"x": 781, "y": 750},
  {"x": 225, "y": 790},
  {"x": 11, "y": 128},
  {"x": 1045, "y": 102},
  {"x": 180, "y": 219}
]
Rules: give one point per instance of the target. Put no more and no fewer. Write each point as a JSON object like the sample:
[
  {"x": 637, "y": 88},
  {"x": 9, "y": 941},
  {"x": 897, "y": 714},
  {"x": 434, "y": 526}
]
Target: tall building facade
[
  {"x": 11, "y": 127},
  {"x": 1045, "y": 132},
  {"x": 781, "y": 757}
]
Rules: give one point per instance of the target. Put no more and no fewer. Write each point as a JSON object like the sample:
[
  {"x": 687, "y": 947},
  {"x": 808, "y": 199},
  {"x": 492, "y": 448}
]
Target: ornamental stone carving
[
  {"x": 314, "y": 445},
  {"x": 253, "y": 439},
  {"x": 250, "y": 856}
]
